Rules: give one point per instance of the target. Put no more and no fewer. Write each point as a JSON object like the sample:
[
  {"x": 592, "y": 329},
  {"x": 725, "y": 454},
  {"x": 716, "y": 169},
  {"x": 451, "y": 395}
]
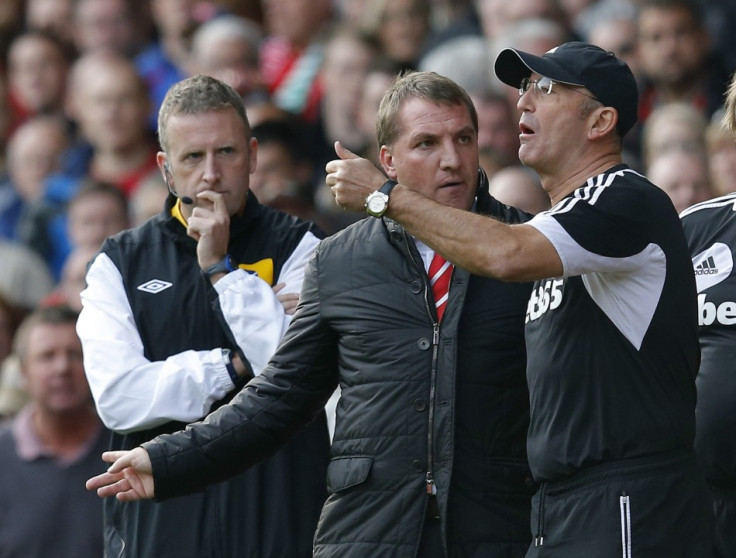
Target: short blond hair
[
  {"x": 428, "y": 86},
  {"x": 197, "y": 95},
  {"x": 729, "y": 112}
]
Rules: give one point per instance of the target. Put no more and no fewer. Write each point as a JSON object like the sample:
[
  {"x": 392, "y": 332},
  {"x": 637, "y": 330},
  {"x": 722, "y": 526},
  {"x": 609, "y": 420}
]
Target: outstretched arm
[
  {"x": 479, "y": 244},
  {"x": 129, "y": 477}
]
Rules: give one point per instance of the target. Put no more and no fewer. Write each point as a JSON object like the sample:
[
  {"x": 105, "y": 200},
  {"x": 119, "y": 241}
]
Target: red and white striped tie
[{"x": 440, "y": 272}]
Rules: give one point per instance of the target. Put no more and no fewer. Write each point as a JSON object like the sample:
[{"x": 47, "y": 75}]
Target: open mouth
[{"x": 524, "y": 129}]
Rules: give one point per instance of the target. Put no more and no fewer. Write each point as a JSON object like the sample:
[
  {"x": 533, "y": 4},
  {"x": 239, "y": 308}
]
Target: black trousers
[
  {"x": 724, "y": 506},
  {"x": 656, "y": 507}
]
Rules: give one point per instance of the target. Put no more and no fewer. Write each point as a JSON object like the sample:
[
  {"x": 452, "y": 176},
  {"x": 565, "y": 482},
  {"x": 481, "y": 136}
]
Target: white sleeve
[
  {"x": 251, "y": 309},
  {"x": 132, "y": 393}
]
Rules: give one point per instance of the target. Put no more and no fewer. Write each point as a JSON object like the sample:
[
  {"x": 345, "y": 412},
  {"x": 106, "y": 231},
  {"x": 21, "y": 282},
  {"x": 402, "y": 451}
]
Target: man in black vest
[{"x": 177, "y": 315}]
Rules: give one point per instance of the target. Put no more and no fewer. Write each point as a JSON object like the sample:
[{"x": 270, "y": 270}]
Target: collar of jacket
[{"x": 238, "y": 223}]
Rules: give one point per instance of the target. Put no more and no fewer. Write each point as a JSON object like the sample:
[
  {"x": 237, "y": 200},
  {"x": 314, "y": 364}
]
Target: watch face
[{"x": 376, "y": 204}]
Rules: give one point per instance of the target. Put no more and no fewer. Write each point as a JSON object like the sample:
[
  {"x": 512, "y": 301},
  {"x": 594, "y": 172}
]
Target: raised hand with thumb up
[{"x": 352, "y": 178}]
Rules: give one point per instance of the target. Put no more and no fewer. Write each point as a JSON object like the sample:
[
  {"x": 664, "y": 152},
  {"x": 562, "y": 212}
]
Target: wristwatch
[
  {"x": 238, "y": 381},
  {"x": 376, "y": 203},
  {"x": 225, "y": 265}
]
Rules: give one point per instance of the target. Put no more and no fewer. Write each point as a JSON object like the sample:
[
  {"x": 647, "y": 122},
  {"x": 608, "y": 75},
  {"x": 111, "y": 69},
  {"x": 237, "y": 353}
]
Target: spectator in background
[
  {"x": 401, "y": 27},
  {"x": 675, "y": 58},
  {"x": 721, "y": 150},
  {"x": 459, "y": 59},
  {"x": 10, "y": 317},
  {"x": 147, "y": 200},
  {"x": 284, "y": 176},
  {"x": 350, "y": 12},
  {"x": 96, "y": 211},
  {"x": 72, "y": 282},
  {"x": 38, "y": 64},
  {"x": 105, "y": 26},
  {"x": 51, "y": 447},
  {"x": 684, "y": 175},
  {"x": 25, "y": 278},
  {"x": 498, "y": 125},
  {"x": 377, "y": 80},
  {"x": 54, "y": 16},
  {"x": 265, "y": 111},
  {"x": 34, "y": 152},
  {"x": 619, "y": 36},
  {"x": 291, "y": 55},
  {"x": 226, "y": 48},
  {"x": 5, "y": 118},
  {"x": 12, "y": 394},
  {"x": 491, "y": 17},
  {"x": 673, "y": 126},
  {"x": 348, "y": 55},
  {"x": 165, "y": 61},
  {"x": 518, "y": 11},
  {"x": 109, "y": 102},
  {"x": 11, "y": 22},
  {"x": 446, "y": 15},
  {"x": 600, "y": 10},
  {"x": 574, "y": 8},
  {"x": 720, "y": 19},
  {"x": 284, "y": 171},
  {"x": 520, "y": 187}
]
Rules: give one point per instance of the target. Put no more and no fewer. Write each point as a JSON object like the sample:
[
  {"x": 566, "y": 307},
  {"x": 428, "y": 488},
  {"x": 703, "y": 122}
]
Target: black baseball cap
[{"x": 579, "y": 64}]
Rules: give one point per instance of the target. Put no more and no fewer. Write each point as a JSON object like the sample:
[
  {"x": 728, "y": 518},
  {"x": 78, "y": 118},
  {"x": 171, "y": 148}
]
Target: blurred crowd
[{"x": 81, "y": 82}]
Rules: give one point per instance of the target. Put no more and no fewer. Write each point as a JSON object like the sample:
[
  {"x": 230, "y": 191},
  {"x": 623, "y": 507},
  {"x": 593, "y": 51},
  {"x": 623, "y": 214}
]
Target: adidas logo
[
  {"x": 154, "y": 286},
  {"x": 708, "y": 267},
  {"x": 712, "y": 266}
]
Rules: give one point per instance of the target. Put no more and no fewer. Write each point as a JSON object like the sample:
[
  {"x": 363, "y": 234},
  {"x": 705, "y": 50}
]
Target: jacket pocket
[{"x": 349, "y": 471}]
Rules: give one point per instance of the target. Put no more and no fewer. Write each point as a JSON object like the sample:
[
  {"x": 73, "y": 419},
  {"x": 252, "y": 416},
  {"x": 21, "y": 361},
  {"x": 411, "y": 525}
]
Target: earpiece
[{"x": 184, "y": 199}]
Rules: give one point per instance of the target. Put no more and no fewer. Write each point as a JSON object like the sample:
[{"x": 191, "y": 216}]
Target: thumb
[{"x": 344, "y": 152}]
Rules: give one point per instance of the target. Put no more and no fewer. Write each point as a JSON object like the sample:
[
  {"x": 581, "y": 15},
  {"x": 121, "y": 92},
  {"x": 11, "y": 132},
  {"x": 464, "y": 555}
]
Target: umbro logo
[
  {"x": 154, "y": 286},
  {"x": 712, "y": 266}
]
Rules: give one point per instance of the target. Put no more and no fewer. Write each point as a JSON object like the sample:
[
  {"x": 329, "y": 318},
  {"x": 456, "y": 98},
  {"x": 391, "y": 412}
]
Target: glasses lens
[
  {"x": 544, "y": 84},
  {"x": 524, "y": 85}
]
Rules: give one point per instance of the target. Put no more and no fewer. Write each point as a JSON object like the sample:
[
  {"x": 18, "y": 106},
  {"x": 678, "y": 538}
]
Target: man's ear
[
  {"x": 603, "y": 122},
  {"x": 253, "y": 149},
  {"x": 387, "y": 161}
]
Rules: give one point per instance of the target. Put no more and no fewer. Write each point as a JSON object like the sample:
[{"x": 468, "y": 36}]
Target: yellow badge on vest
[{"x": 262, "y": 268}]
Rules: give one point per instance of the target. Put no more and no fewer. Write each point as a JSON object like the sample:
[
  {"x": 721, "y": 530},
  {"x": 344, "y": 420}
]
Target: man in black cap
[{"x": 611, "y": 324}]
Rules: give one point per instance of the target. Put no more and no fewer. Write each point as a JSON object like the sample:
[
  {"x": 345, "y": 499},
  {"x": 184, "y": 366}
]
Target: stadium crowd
[{"x": 82, "y": 81}]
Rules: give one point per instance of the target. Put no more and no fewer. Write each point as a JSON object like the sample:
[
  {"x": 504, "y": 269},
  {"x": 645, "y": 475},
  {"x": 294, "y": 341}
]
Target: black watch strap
[
  {"x": 387, "y": 187},
  {"x": 225, "y": 265},
  {"x": 238, "y": 381}
]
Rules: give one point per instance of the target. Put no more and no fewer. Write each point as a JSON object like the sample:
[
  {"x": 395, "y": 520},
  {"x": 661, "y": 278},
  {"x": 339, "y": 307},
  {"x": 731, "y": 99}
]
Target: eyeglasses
[{"x": 543, "y": 86}]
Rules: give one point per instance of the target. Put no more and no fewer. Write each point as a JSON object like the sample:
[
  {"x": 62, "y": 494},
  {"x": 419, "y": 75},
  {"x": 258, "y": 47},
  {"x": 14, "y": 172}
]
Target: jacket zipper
[
  {"x": 429, "y": 478},
  {"x": 431, "y": 489}
]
